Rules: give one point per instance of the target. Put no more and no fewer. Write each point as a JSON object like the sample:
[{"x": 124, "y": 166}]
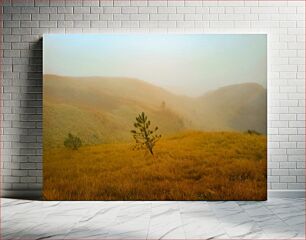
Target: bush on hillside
[{"x": 72, "y": 142}]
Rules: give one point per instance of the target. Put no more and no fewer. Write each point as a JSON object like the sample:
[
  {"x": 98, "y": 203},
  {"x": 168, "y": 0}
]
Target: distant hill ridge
[{"x": 103, "y": 109}]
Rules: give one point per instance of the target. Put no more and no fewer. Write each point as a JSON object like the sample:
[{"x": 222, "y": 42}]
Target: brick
[
  {"x": 296, "y": 151},
  {"x": 273, "y": 179},
  {"x": 42, "y": 3},
  {"x": 56, "y": 30},
  {"x": 296, "y": 172},
  {"x": 91, "y": 17},
  {"x": 296, "y": 186},
  {"x": 242, "y": 10},
  {"x": 228, "y": 17},
  {"x": 273, "y": 165},
  {"x": 113, "y": 24},
  {"x": 21, "y": 17},
  {"x": 222, "y": 24},
  {"x": 287, "y": 145},
  {"x": 82, "y": 24},
  {"x": 127, "y": 10},
  {"x": 40, "y": 31},
  {"x": 23, "y": 3},
  {"x": 19, "y": 173},
  {"x": 47, "y": 24},
  {"x": 166, "y": 10},
  {"x": 288, "y": 53},
  {"x": 21, "y": 31},
  {"x": 192, "y": 3},
  {"x": 265, "y": 24},
  {"x": 185, "y": 24},
  {"x": 288, "y": 179},
  {"x": 139, "y": 17},
  {"x": 73, "y": 17},
  {"x": 40, "y": 16},
  {"x": 91, "y": 3},
  {"x": 300, "y": 179},
  {"x": 193, "y": 17},
  {"x": 216, "y": 10},
  {"x": 111, "y": 10},
  {"x": 11, "y": 24},
  {"x": 138, "y": 3},
  {"x": 176, "y": 17},
  {"x": 28, "y": 179},
  {"x": 121, "y": 17},
  {"x": 186, "y": 9},
  {"x": 121, "y": 3},
  {"x": 300, "y": 165},
  {"x": 104, "y": 17},
  {"x": 74, "y": 3},
  {"x": 48, "y": 10},
  {"x": 65, "y": 24},
  {"x": 98, "y": 24},
  {"x": 230, "y": 3},
  {"x": 29, "y": 10},
  {"x": 130, "y": 24},
  {"x": 287, "y": 165},
  {"x": 96, "y": 10},
  {"x": 35, "y": 173},
  {"x": 57, "y": 17},
  {"x": 156, "y": 17},
  {"x": 11, "y": 179},
  {"x": 176, "y": 3},
  {"x": 167, "y": 24},
  {"x": 147, "y": 9},
  {"x": 202, "y": 10},
  {"x": 268, "y": 10},
  {"x": 278, "y": 186},
  {"x": 60, "y": 3},
  {"x": 62, "y": 10},
  {"x": 11, "y": 53},
  {"x": 157, "y": 3},
  {"x": 11, "y": 10},
  {"x": 148, "y": 24},
  {"x": 81, "y": 10},
  {"x": 280, "y": 172}
]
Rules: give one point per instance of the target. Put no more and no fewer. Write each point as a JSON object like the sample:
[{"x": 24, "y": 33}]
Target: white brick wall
[{"x": 24, "y": 22}]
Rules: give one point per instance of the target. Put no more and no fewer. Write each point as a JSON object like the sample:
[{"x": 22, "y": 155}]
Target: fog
[{"x": 189, "y": 64}]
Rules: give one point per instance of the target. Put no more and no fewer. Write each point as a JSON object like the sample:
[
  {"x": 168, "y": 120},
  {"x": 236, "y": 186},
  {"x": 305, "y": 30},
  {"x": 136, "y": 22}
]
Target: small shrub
[
  {"x": 72, "y": 142},
  {"x": 252, "y": 132}
]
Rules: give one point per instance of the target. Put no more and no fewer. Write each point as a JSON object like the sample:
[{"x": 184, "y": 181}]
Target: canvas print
[{"x": 155, "y": 117}]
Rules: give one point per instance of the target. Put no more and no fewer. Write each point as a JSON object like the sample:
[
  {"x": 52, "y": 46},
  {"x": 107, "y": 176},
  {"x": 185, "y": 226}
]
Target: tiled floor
[{"x": 273, "y": 219}]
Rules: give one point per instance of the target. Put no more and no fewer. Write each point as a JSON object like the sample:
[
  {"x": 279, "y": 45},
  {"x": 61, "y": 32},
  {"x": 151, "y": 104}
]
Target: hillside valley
[{"x": 103, "y": 109}]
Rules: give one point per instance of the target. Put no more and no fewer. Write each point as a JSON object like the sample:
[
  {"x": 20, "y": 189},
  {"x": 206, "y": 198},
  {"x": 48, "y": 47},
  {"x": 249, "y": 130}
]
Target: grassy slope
[
  {"x": 101, "y": 109},
  {"x": 187, "y": 166},
  {"x": 97, "y": 126},
  {"x": 237, "y": 107}
]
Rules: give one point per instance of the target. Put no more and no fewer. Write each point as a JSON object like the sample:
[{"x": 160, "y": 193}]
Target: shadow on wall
[{"x": 27, "y": 152}]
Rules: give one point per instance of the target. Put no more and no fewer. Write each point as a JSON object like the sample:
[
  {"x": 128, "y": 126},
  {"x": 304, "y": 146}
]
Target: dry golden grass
[{"x": 187, "y": 166}]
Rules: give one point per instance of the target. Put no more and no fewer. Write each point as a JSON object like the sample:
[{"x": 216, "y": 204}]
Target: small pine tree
[
  {"x": 144, "y": 137},
  {"x": 72, "y": 142}
]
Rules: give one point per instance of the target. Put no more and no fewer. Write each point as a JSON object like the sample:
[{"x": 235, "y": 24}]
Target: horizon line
[{"x": 149, "y": 83}]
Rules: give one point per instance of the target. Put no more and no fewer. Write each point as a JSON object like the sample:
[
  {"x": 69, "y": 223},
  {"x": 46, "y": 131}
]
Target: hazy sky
[{"x": 189, "y": 64}]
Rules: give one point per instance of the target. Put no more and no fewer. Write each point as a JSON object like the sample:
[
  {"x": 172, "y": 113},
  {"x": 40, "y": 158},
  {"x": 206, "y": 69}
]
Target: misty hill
[
  {"x": 236, "y": 107},
  {"x": 103, "y": 109}
]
